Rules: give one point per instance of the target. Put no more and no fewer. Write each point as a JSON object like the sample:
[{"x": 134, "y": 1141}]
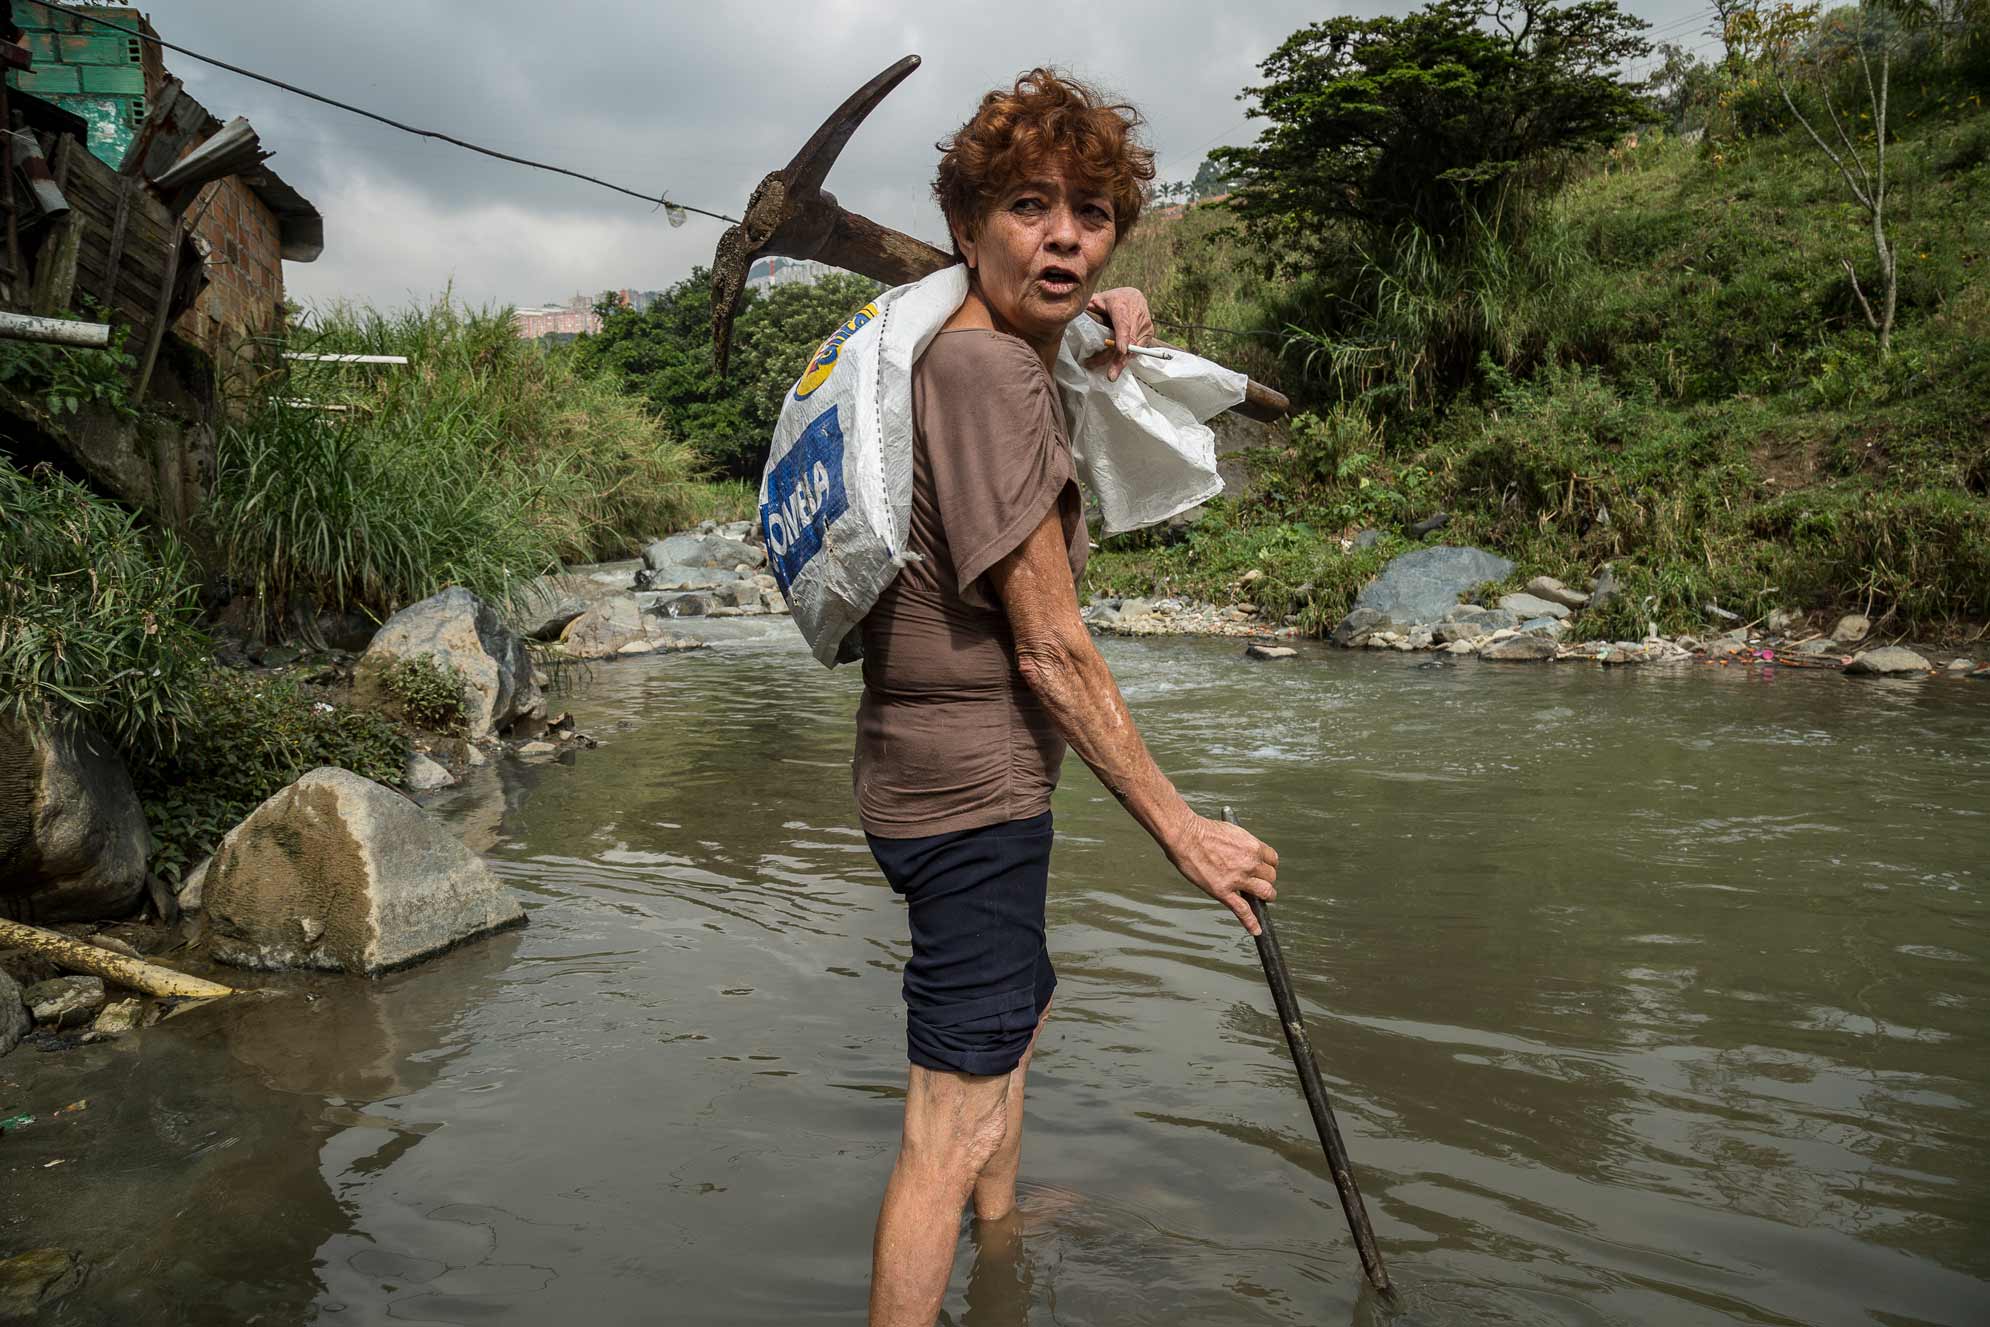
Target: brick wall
[{"x": 245, "y": 272}]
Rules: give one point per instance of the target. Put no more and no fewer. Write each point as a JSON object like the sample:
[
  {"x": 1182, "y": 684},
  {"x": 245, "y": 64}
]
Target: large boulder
[
  {"x": 1422, "y": 586},
  {"x": 460, "y": 631},
  {"x": 338, "y": 873},
  {"x": 702, "y": 550},
  {"x": 73, "y": 841},
  {"x": 544, "y": 607},
  {"x": 14, "y": 1017},
  {"x": 1889, "y": 661},
  {"x": 604, "y": 629}
]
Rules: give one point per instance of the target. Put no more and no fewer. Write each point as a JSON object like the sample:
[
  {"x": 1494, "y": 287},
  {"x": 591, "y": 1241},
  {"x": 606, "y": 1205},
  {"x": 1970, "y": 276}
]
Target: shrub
[
  {"x": 96, "y": 613},
  {"x": 482, "y": 463},
  {"x": 252, "y": 735},
  {"x": 429, "y": 694}
]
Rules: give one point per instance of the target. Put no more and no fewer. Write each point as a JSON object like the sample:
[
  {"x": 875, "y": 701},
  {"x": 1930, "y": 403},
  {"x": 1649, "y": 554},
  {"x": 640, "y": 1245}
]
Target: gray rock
[
  {"x": 193, "y": 885},
  {"x": 1419, "y": 638},
  {"x": 1463, "y": 613},
  {"x": 1528, "y": 606},
  {"x": 122, "y": 1016},
  {"x": 426, "y": 775},
  {"x": 638, "y": 647},
  {"x": 538, "y": 750},
  {"x": 1422, "y": 586},
  {"x": 73, "y": 842},
  {"x": 1499, "y": 619},
  {"x": 338, "y": 873},
  {"x": 1890, "y": 661},
  {"x": 773, "y": 601},
  {"x": 1605, "y": 591},
  {"x": 544, "y": 607},
  {"x": 685, "y": 605},
  {"x": 604, "y": 628},
  {"x": 1367, "y": 539},
  {"x": 1462, "y": 647},
  {"x": 65, "y": 1002},
  {"x": 1547, "y": 587},
  {"x": 1961, "y": 665},
  {"x": 702, "y": 550},
  {"x": 15, "y": 1018},
  {"x": 1782, "y": 621},
  {"x": 674, "y": 577},
  {"x": 1818, "y": 647},
  {"x": 1529, "y": 649},
  {"x": 742, "y": 594},
  {"x": 1543, "y": 626},
  {"x": 1270, "y": 652},
  {"x": 1358, "y": 623},
  {"x": 31, "y": 1281},
  {"x": 1430, "y": 524},
  {"x": 1451, "y": 633},
  {"x": 461, "y": 631},
  {"x": 1851, "y": 629}
]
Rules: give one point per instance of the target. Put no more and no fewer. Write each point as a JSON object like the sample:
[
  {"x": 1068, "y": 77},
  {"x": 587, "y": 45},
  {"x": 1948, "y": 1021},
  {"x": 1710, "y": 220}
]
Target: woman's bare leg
[
  {"x": 995, "y": 1187},
  {"x": 954, "y": 1124}
]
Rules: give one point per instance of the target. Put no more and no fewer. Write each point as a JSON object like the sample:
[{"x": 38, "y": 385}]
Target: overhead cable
[{"x": 668, "y": 204}]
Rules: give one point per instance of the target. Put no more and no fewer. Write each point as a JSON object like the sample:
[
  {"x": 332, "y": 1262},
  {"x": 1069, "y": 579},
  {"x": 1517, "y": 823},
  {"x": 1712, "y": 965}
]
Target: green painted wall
[{"x": 88, "y": 70}]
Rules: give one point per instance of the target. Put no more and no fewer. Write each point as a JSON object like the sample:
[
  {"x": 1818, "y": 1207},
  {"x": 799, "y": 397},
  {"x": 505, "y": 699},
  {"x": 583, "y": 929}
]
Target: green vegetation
[
  {"x": 482, "y": 463},
  {"x": 1665, "y": 366},
  {"x": 96, "y": 613},
  {"x": 255, "y": 734},
  {"x": 63, "y": 380},
  {"x": 663, "y": 355},
  {"x": 429, "y": 694}
]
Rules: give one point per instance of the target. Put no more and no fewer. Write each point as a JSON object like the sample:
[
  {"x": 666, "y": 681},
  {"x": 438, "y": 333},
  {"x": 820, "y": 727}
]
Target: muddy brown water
[{"x": 1645, "y": 997}]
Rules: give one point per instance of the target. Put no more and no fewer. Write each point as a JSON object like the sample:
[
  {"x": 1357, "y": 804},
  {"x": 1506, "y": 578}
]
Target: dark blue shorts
[{"x": 980, "y": 976}]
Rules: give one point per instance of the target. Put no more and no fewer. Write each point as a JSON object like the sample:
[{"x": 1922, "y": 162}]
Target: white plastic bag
[{"x": 836, "y": 494}]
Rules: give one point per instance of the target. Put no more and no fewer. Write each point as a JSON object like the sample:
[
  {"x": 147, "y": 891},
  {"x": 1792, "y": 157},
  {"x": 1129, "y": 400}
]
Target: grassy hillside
[{"x": 1676, "y": 379}]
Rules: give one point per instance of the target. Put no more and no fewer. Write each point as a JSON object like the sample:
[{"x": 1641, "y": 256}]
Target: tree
[
  {"x": 1782, "y": 32},
  {"x": 1431, "y": 119},
  {"x": 664, "y": 354},
  {"x": 1210, "y": 179}
]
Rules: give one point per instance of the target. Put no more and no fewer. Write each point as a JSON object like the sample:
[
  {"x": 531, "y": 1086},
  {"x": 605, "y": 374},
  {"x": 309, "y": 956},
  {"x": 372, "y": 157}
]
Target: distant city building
[
  {"x": 574, "y": 318},
  {"x": 639, "y": 300},
  {"x": 767, "y": 273}
]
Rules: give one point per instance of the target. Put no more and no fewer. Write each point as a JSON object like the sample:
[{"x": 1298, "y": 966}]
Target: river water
[{"x": 1644, "y": 997}]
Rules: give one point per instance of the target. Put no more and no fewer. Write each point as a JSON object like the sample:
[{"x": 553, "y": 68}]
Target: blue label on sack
[{"x": 804, "y": 494}]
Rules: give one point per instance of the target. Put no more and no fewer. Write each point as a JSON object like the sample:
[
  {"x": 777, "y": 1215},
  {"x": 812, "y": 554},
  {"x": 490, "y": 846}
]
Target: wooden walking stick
[{"x": 1287, "y": 1001}]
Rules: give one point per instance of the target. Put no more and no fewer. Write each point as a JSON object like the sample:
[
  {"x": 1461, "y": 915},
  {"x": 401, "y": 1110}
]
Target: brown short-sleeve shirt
[{"x": 949, "y": 736}]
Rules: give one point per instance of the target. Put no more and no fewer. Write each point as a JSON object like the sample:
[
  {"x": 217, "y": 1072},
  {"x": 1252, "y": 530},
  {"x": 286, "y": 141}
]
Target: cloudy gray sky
[{"x": 699, "y": 99}]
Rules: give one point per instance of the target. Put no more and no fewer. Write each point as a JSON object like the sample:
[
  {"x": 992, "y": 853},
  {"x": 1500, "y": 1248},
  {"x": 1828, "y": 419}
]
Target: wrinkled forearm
[{"x": 1067, "y": 674}]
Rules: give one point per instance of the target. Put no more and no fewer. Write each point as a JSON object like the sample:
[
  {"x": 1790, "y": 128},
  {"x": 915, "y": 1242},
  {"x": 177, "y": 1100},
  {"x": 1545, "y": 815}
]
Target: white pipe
[{"x": 58, "y": 331}]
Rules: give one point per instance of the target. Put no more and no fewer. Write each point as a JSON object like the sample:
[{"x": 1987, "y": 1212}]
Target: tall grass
[
  {"x": 484, "y": 462},
  {"x": 96, "y": 613}
]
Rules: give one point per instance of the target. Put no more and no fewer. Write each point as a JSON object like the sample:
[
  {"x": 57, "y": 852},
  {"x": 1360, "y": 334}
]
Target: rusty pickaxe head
[{"x": 791, "y": 215}]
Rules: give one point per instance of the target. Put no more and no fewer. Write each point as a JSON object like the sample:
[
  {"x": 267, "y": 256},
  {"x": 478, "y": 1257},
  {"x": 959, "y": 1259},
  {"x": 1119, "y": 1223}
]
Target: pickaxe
[{"x": 791, "y": 215}]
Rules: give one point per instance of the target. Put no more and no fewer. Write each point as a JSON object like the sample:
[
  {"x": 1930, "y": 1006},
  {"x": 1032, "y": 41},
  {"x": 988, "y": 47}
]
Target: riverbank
[{"x": 1667, "y": 375}]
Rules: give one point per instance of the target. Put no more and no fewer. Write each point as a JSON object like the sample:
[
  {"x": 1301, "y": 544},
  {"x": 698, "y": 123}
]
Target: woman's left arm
[{"x": 1062, "y": 667}]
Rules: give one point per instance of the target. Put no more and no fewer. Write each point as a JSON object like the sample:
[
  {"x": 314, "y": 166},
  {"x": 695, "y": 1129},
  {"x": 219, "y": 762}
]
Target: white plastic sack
[{"x": 836, "y": 494}]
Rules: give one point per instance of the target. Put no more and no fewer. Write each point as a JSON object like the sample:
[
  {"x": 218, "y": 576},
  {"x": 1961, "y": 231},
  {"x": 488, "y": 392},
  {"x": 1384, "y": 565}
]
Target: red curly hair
[{"x": 1045, "y": 118}]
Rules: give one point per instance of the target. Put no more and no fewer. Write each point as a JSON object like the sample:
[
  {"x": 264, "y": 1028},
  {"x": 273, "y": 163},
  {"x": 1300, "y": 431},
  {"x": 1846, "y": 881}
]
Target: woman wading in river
[{"x": 978, "y": 669}]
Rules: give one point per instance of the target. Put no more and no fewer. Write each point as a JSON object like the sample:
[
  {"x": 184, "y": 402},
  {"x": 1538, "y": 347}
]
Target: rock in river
[
  {"x": 1890, "y": 661},
  {"x": 1268, "y": 652},
  {"x": 73, "y": 841},
  {"x": 65, "y": 1002},
  {"x": 338, "y": 873},
  {"x": 1527, "y": 649},
  {"x": 31, "y": 1281},
  {"x": 15, "y": 1020},
  {"x": 1530, "y": 606},
  {"x": 702, "y": 550},
  {"x": 1422, "y": 586},
  {"x": 604, "y": 629},
  {"x": 461, "y": 631}
]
